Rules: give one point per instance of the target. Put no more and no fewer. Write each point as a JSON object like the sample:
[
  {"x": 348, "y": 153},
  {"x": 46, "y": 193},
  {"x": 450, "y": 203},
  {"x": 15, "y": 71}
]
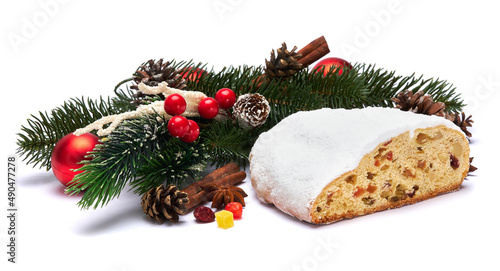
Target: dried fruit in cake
[{"x": 326, "y": 165}]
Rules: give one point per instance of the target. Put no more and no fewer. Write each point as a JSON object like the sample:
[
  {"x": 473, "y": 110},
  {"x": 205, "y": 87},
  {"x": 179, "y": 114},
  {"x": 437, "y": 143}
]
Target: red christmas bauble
[
  {"x": 193, "y": 133},
  {"x": 174, "y": 104},
  {"x": 67, "y": 154},
  {"x": 208, "y": 108},
  {"x": 191, "y": 74},
  {"x": 178, "y": 126},
  {"x": 226, "y": 98},
  {"x": 333, "y": 63}
]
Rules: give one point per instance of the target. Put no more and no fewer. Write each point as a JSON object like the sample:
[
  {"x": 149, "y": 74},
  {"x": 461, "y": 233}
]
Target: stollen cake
[{"x": 329, "y": 164}]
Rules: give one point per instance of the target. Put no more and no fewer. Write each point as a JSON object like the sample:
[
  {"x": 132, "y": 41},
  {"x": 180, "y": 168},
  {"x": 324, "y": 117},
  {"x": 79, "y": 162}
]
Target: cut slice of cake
[{"x": 326, "y": 165}]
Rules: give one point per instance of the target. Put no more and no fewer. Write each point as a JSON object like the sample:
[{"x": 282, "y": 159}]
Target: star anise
[{"x": 222, "y": 195}]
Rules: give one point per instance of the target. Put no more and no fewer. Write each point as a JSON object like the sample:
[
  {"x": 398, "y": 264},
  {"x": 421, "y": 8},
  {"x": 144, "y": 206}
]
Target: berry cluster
[
  {"x": 178, "y": 126},
  {"x": 209, "y": 107},
  {"x": 188, "y": 130}
]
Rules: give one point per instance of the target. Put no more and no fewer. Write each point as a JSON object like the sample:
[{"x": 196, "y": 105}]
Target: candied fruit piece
[
  {"x": 457, "y": 149},
  {"x": 421, "y": 164},
  {"x": 422, "y": 138},
  {"x": 224, "y": 219},
  {"x": 388, "y": 156},
  {"x": 204, "y": 214},
  {"x": 371, "y": 188},
  {"x": 359, "y": 191},
  {"x": 236, "y": 208}
]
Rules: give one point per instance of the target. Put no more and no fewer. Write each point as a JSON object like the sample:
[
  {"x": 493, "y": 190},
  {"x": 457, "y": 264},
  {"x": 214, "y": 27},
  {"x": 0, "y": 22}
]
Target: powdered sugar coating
[{"x": 292, "y": 163}]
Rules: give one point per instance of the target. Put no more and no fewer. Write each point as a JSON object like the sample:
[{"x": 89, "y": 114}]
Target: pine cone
[
  {"x": 251, "y": 110},
  {"x": 419, "y": 103},
  {"x": 152, "y": 73},
  {"x": 461, "y": 122},
  {"x": 285, "y": 64},
  {"x": 163, "y": 204}
]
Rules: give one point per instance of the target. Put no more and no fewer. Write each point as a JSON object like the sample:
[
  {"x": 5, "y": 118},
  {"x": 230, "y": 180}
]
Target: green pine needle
[
  {"x": 39, "y": 137},
  {"x": 173, "y": 164}
]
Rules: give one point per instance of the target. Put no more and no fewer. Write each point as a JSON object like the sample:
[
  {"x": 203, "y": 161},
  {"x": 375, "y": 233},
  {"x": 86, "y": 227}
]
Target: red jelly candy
[{"x": 236, "y": 208}]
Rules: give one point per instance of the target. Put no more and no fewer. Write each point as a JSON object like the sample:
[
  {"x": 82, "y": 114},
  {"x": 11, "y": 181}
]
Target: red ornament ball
[
  {"x": 226, "y": 98},
  {"x": 67, "y": 154},
  {"x": 192, "y": 74},
  {"x": 208, "y": 108},
  {"x": 333, "y": 63},
  {"x": 174, "y": 104},
  {"x": 193, "y": 132},
  {"x": 178, "y": 126},
  {"x": 236, "y": 208},
  {"x": 204, "y": 214}
]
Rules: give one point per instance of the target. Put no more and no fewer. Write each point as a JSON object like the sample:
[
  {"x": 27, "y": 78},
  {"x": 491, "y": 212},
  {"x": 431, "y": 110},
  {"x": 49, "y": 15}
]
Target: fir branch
[
  {"x": 126, "y": 80},
  {"x": 39, "y": 137},
  {"x": 173, "y": 164},
  {"x": 118, "y": 159},
  {"x": 227, "y": 142},
  {"x": 140, "y": 153},
  {"x": 123, "y": 99}
]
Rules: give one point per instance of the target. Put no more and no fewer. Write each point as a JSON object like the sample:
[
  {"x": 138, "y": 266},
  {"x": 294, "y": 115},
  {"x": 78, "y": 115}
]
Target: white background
[{"x": 83, "y": 48}]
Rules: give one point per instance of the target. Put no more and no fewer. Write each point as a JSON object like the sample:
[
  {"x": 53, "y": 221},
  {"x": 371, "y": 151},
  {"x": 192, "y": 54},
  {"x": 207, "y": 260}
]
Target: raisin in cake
[{"x": 326, "y": 165}]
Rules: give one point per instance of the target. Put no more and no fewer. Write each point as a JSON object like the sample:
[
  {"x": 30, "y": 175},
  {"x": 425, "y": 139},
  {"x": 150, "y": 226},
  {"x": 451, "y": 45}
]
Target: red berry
[
  {"x": 178, "y": 126},
  {"x": 175, "y": 104},
  {"x": 193, "y": 133},
  {"x": 208, "y": 108},
  {"x": 236, "y": 208},
  {"x": 204, "y": 214},
  {"x": 226, "y": 98}
]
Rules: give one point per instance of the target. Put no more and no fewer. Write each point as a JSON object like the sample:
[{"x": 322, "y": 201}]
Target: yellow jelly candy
[{"x": 224, "y": 219}]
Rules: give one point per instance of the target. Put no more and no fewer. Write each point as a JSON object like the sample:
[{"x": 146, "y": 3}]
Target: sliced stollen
[{"x": 329, "y": 164}]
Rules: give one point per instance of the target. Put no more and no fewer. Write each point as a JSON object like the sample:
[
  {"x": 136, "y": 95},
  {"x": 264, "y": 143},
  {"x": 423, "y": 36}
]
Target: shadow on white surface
[
  {"x": 104, "y": 221},
  {"x": 38, "y": 179}
]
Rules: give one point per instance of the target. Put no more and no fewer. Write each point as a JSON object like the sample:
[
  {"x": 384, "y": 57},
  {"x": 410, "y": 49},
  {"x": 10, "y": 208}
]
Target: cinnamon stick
[
  {"x": 232, "y": 179},
  {"x": 200, "y": 197},
  {"x": 196, "y": 199},
  {"x": 312, "y": 52},
  {"x": 215, "y": 175}
]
